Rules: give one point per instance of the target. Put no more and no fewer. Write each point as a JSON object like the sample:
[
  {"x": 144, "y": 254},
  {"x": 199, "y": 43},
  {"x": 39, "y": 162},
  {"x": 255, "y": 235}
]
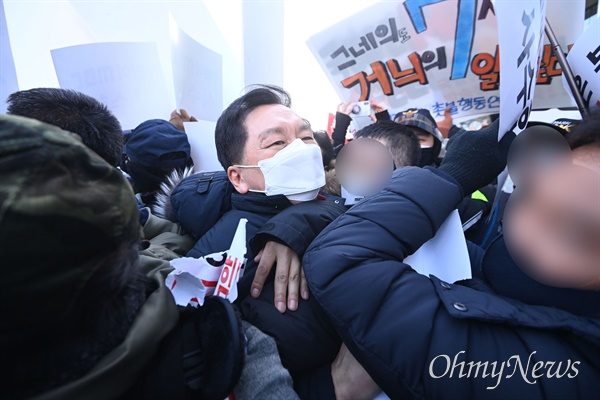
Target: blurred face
[
  {"x": 270, "y": 129},
  {"x": 425, "y": 139},
  {"x": 364, "y": 166},
  {"x": 553, "y": 229}
]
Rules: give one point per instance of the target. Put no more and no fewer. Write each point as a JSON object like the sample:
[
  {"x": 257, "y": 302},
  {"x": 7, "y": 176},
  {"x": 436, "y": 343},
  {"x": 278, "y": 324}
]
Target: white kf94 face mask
[{"x": 296, "y": 171}]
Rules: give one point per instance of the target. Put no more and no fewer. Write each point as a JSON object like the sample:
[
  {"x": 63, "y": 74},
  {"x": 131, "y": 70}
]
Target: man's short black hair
[
  {"x": 587, "y": 132},
  {"x": 399, "y": 139},
  {"x": 231, "y": 134},
  {"x": 75, "y": 112}
]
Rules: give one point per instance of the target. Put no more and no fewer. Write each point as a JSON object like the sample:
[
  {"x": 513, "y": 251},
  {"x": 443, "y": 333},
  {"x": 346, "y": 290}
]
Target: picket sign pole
[{"x": 564, "y": 64}]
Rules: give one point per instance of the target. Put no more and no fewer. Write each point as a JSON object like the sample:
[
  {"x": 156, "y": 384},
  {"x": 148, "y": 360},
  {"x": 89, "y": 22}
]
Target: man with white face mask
[
  {"x": 275, "y": 166},
  {"x": 294, "y": 171}
]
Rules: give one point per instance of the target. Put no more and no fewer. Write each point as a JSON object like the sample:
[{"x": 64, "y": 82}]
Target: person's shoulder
[{"x": 200, "y": 200}]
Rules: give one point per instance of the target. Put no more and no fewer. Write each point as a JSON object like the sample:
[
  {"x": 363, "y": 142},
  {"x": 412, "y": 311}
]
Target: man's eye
[
  {"x": 277, "y": 143},
  {"x": 308, "y": 138}
]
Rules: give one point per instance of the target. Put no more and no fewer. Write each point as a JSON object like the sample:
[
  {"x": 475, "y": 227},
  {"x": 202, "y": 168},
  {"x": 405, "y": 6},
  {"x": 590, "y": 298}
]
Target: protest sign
[
  {"x": 521, "y": 31},
  {"x": 119, "y": 75},
  {"x": 201, "y": 135},
  {"x": 197, "y": 76},
  {"x": 429, "y": 54},
  {"x": 194, "y": 279},
  {"x": 584, "y": 59}
]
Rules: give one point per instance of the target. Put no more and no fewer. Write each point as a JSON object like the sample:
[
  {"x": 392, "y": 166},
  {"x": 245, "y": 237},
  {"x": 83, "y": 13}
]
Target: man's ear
[{"x": 236, "y": 179}]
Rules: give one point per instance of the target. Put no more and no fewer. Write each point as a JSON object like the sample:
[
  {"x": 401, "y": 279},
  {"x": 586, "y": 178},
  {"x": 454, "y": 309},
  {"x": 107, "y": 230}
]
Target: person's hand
[
  {"x": 345, "y": 108},
  {"x": 289, "y": 276},
  {"x": 476, "y": 157},
  {"x": 178, "y": 118},
  {"x": 446, "y": 124},
  {"x": 376, "y": 107},
  {"x": 350, "y": 379}
]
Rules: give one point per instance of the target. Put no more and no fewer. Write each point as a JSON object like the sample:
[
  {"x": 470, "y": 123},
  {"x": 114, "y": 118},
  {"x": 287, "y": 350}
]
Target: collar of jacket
[
  {"x": 258, "y": 203},
  {"x": 333, "y": 198},
  {"x": 507, "y": 278},
  {"x": 474, "y": 299}
]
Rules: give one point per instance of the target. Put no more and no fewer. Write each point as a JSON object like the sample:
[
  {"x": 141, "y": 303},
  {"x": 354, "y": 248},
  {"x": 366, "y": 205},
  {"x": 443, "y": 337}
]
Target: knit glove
[{"x": 476, "y": 158}]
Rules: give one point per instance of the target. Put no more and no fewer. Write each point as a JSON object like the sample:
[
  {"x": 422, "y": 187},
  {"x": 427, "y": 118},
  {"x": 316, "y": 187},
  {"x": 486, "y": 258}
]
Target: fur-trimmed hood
[{"x": 162, "y": 205}]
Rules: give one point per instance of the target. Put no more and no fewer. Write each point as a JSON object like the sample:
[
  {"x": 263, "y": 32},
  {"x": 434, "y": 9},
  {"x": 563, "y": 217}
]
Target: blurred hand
[
  {"x": 345, "y": 108},
  {"x": 350, "y": 379},
  {"x": 289, "y": 276},
  {"x": 178, "y": 118},
  {"x": 376, "y": 107},
  {"x": 446, "y": 124}
]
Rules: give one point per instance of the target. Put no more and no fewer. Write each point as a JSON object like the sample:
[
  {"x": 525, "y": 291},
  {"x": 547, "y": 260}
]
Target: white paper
[
  {"x": 201, "y": 136},
  {"x": 445, "y": 255},
  {"x": 521, "y": 34},
  {"x": 126, "y": 76},
  {"x": 234, "y": 266},
  {"x": 217, "y": 274},
  {"x": 584, "y": 59},
  {"x": 186, "y": 288},
  {"x": 197, "y": 76}
]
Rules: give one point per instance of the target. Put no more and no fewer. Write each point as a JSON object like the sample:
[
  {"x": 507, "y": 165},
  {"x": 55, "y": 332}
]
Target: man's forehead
[{"x": 273, "y": 114}]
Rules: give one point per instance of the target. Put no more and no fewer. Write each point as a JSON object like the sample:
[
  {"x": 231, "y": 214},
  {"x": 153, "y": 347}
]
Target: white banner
[
  {"x": 521, "y": 32},
  {"x": 126, "y": 76},
  {"x": 430, "y": 54},
  {"x": 584, "y": 60}
]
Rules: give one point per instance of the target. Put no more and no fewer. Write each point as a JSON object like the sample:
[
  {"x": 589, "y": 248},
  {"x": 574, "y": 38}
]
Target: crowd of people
[{"x": 91, "y": 218}]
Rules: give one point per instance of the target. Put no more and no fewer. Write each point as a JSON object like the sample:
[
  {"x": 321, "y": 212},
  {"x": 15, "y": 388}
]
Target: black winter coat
[{"x": 420, "y": 337}]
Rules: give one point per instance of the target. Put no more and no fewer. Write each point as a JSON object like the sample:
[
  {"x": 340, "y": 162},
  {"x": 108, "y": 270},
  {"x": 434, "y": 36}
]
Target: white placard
[
  {"x": 197, "y": 76},
  {"x": 414, "y": 54},
  {"x": 520, "y": 33},
  {"x": 126, "y": 76},
  {"x": 584, "y": 59},
  {"x": 201, "y": 136},
  {"x": 444, "y": 55}
]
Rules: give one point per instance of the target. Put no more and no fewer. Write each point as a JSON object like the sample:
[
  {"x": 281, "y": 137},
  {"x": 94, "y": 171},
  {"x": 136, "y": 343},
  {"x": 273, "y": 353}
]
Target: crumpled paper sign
[{"x": 217, "y": 274}]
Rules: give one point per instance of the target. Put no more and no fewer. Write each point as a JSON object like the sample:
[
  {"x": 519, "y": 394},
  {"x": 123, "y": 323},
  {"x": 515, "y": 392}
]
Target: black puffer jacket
[{"x": 420, "y": 337}]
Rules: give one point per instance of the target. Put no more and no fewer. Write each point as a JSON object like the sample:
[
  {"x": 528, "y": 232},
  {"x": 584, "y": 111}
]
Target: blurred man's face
[
  {"x": 270, "y": 129},
  {"x": 364, "y": 166},
  {"x": 553, "y": 230}
]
